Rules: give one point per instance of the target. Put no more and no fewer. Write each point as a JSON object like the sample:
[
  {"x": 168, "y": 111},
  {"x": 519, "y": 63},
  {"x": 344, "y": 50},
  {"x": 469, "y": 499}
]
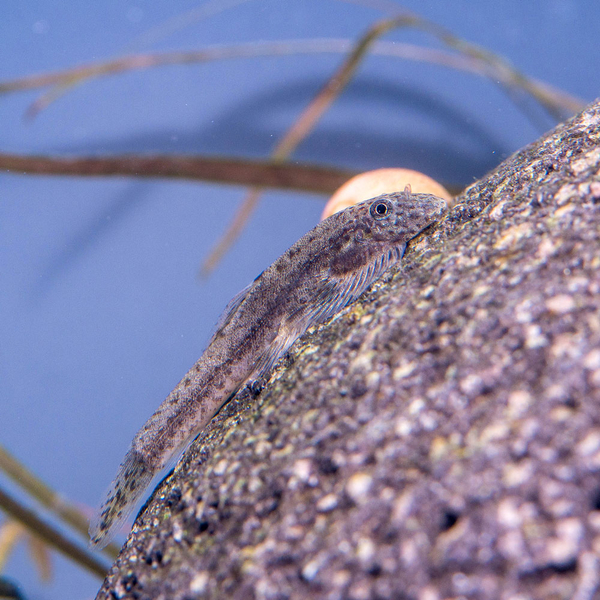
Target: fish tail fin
[{"x": 133, "y": 478}]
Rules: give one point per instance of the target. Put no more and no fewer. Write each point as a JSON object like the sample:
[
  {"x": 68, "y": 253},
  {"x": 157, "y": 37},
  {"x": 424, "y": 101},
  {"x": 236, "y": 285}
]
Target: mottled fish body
[{"x": 327, "y": 269}]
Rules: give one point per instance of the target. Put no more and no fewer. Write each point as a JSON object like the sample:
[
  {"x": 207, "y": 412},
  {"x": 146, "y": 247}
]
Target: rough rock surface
[{"x": 438, "y": 439}]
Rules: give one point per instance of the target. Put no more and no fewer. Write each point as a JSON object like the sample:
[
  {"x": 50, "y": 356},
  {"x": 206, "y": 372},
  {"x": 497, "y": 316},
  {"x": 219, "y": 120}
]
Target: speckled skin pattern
[
  {"x": 328, "y": 268},
  {"x": 439, "y": 438}
]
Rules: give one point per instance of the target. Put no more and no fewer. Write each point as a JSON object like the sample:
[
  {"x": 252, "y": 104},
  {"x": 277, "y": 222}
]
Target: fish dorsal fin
[{"x": 231, "y": 308}]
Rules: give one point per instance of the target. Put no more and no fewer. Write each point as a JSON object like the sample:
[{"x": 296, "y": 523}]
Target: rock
[{"x": 439, "y": 438}]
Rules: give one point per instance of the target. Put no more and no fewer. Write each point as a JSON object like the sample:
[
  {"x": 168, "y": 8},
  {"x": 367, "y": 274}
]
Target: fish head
[
  {"x": 397, "y": 218},
  {"x": 377, "y": 230}
]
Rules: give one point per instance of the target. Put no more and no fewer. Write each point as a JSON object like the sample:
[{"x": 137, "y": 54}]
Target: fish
[{"x": 327, "y": 269}]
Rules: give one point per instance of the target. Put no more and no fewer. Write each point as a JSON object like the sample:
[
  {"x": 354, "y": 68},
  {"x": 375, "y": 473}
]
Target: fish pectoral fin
[
  {"x": 333, "y": 293},
  {"x": 337, "y": 291}
]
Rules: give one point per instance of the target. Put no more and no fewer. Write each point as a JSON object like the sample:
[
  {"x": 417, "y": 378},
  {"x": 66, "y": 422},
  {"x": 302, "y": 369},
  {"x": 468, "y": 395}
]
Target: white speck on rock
[
  {"x": 327, "y": 503},
  {"x": 511, "y": 545},
  {"x": 508, "y": 513},
  {"x": 513, "y": 235},
  {"x": 595, "y": 189},
  {"x": 546, "y": 249},
  {"x": 416, "y": 406},
  {"x": 589, "y": 444},
  {"x": 564, "y": 547},
  {"x": 592, "y": 359},
  {"x": 560, "y": 304},
  {"x": 517, "y": 474},
  {"x": 471, "y": 384},
  {"x": 199, "y": 583},
  {"x": 365, "y": 549},
  {"x": 404, "y": 371},
  {"x": 177, "y": 532},
  {"x": 518, "y": 402},
  {"x": 220, "y": 467},
  {"x": 403, "y": 427},
  {"x": 302, "y": 469},
  {"x": 534, "y": 337},
  {"x": 523, "y": 311},
  {"x": 358, "y": 487},
  {"x": 310, "y": 570},
  {"x": 589, "y": 159},
  {"x": 496, "y": 212},
  {"x": 565, "y": 193}
]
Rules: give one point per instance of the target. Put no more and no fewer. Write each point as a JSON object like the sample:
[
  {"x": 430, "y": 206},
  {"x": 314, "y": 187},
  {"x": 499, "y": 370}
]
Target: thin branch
[
  {"x": 498, "y": 68},
  {"x": 305, "y": 178},
  {"x": 330, "y": 91},
  {"x": 246, "y": 50},
  {"x": 51, "y": 536},
  {"x": 558, "y": 99},
  {"x": 39, "y": 490},
  {"x": 41, "y": 556},
  {"x": 10, "y": 533}
]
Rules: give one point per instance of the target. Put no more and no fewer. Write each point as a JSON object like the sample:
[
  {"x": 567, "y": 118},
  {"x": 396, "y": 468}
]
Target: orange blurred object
[{"x": 382, "y": 181}]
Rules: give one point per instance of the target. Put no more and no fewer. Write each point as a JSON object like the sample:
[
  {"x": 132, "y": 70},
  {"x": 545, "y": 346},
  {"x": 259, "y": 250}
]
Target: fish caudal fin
[{"x": 131, "y": 482}]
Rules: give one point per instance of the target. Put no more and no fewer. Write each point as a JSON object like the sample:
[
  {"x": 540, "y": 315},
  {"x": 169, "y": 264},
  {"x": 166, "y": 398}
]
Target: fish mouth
[{"x": 425, "y": 230}]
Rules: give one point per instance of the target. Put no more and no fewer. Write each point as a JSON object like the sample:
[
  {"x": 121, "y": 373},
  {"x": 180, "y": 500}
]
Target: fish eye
[{"x": 380, "y": 209}]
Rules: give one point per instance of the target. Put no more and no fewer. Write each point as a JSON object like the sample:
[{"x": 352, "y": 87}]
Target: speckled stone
[{"x": 438, "y": 439}]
